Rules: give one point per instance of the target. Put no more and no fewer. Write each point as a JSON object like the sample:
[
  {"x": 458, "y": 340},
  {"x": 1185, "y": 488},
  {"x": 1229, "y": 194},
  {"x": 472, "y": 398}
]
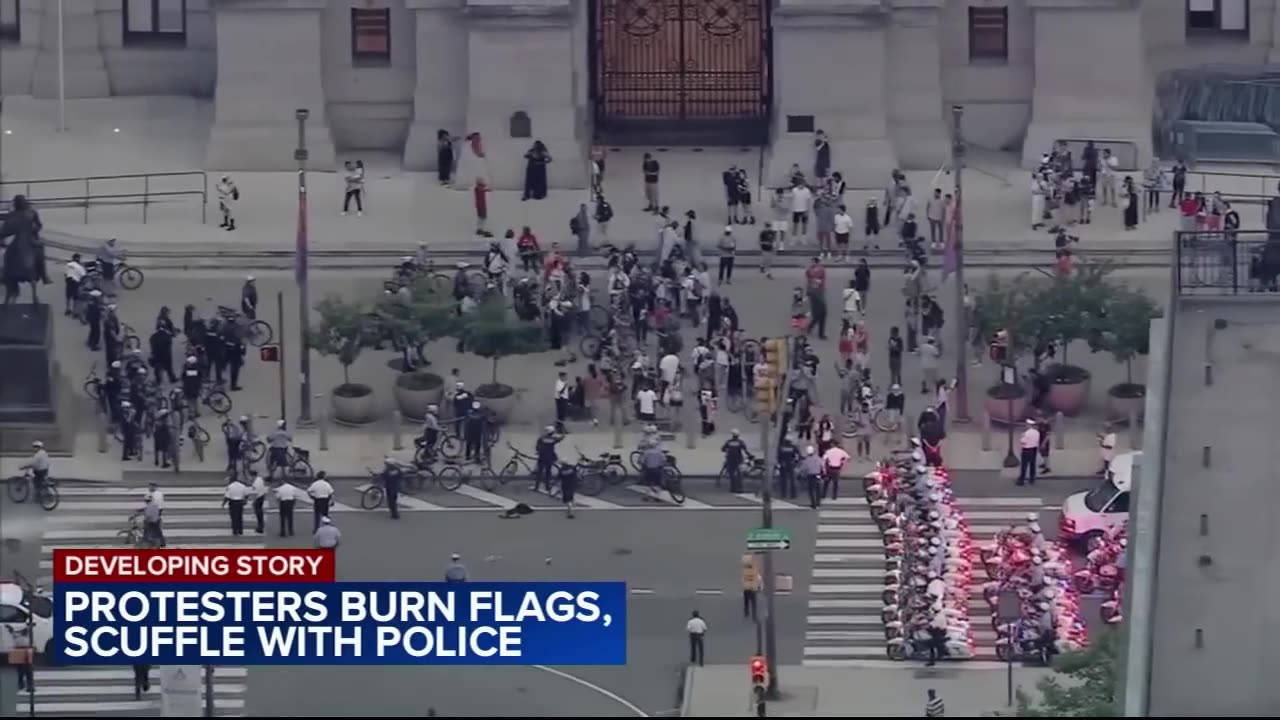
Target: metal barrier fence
[
  {"x": 1216, "y": 263},
  {"x": 1237, "y": 188},
  {"x": 80, "y": 192}
]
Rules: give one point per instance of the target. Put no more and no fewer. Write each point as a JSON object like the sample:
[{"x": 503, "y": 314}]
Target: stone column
[
  {"x": 520, "y": 59},
  {"x": 268, "y": 66},
  {"x": 440, "y": 98},
  {"x": 916, "y": 125},
  {"x": 1101, "y": 93},
  {"x": 85, "y": 68},
  {"x": 1273, "y": 56},
  {"x": 829, "y": 62}
]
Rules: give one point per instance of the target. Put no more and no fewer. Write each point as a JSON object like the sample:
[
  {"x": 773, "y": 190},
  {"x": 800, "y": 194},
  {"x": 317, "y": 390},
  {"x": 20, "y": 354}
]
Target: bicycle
[
  {"x": 19, "y": 488},
  {"x": 135, "y": 535},
  {"x": 255, "y": 332},
  {"x": 253, "y": 449},
  {"x": 129, "y": 337},
  {"x": 297, "y": 463},
  {"x": 513, "y": 469},
  {"x": 607, "y": 469},
  {"x": 753, "y": 469}
]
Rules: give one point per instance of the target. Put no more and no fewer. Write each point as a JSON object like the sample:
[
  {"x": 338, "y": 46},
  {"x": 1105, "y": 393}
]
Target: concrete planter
[
  {"x": 1070, "y": 389},
  {"x": 1006, "y": 403},
  {"x": 353, "y": 404},
  {"x": 1125, "y": 400},
  {"x": 498, "y": 398},
  {"x": 414, "y": 391}
]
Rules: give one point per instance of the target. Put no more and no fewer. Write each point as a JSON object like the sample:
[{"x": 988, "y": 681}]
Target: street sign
[
  {"x": 180, "y": 691},
  {"x": 769, "y": 539},
  {"x": 269, "y": 353}
]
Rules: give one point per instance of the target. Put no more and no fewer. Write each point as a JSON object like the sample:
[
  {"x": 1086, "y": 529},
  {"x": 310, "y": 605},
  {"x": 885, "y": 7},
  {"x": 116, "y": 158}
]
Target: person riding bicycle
[
  {"x": 278, "y": 442},
  {"x": 735, "y": 454},
  {"x": 152, "y": 530},
  {"x": 392, "y": 477},
  {"x": 455, "y": 571},
  {"x": 235, "y": 434},
  {"x": 108, "y": 257},
  {"x": 652, "y": 460},
  {"x": 39, "y": 466},
  {"x": 249, "y": 298},
  {"x": 430, "y": 432},
  {"x": 192, "y": 383},
  {"x": 545, "y": 449}
]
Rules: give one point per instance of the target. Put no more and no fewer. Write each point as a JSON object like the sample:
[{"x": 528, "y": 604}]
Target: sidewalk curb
[{"x": 686, "y": 691}]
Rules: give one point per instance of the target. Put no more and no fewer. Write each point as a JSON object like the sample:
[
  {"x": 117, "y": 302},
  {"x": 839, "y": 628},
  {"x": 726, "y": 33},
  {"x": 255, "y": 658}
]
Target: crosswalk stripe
[
  {"x": 405, "y": 501},
  {"x": 847, "y": 573},
  {"x": 55, "y": 690},
  {"x": 585, "y": 501},
  {"x": 250, "y": 542},
  {"x": 867, "y": 543},
  {"x": 104, "y": 674},
  {"x": 846, "y": 501},
  {"x": 98, "y": 707},
  {"x": 846, "y": 588},
  {"x": 494, "y": 499},
  {"x": 862, "y": 515},
  {"x": 845, "y": 604},
  {"x": 839, "y": 557},
  {"x": 859, "y": 636},
  {"x": 1030, "y": 503},
  {"x": 170, "y": 519},
  {"x": 198, "y": 532},
  {"x": 662, "y": 496},
  {"x": 843, "y": 620}
]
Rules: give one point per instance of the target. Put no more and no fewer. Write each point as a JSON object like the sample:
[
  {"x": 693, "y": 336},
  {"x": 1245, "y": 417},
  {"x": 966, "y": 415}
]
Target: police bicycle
[
  {"x": 20, "y": 488},
  {"x": 255, "y": 332},
  {"x": 125, "y": 275},
  {"x": 134, "y": 535}
]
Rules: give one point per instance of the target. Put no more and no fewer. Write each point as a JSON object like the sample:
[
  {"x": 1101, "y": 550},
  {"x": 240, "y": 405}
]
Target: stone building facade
[{"x": 877, "y": 75}]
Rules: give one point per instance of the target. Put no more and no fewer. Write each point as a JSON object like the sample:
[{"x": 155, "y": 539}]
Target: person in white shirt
[
  {"x": 668, "y": 366},
  {"x": 75, "y": 273},
  {"x": 228, "y": 196},
  {"x": 936, "y": 211},
  {"x": 697, "y": 629},
  {"x": 843, "y": 227},
  {"x": 562, "y": 401},
  {"x": 327, "y": 536},
  {"x": 801, "y": 202},
  {"x": 233, "y": 498},
  {"x": 321, "y": 492},
  {"x": 646, "y": 404},
  {"x": 1038, "y": 191},
  {"x": 154, "y": 496},
  {"x": 1030, "y": 447},
  {"x": 833, "y": 462},
  {"x": 286, "y": 496},
  {"x": 1109, "y": 167},
  {"x": 259, "y": 492},
  {"x": 850, "y": 302}
]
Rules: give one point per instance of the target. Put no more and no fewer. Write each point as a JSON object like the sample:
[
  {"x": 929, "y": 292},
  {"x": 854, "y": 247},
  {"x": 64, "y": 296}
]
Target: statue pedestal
[{"x": 29, "y": 392}]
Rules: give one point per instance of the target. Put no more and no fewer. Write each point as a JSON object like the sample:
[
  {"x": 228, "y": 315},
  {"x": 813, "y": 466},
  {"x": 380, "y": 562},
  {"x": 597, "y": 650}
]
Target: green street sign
[{"x": 769, "y": 539}]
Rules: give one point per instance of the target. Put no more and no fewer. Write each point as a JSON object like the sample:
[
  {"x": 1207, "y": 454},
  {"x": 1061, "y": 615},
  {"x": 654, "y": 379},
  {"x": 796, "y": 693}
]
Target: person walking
[
  {"x": 354, "y": 179},
  {"x": 728, "y": 246},
  {"x": 1030, "y": 445},
  {"x": 141, "y": 680},
  {"x": 751, "y": 585},
  {"x": 320, "y": 492},
  {"x": 286, "y": 496},
  {"x": 697, "y": 629},
  {"x": 228, "y": 196},
  {"x": 649, "y": 167},
  {"x": 933, "y": 706},
  {"x": 259, "y": 492},
  {"x": 233, "y": 499}
]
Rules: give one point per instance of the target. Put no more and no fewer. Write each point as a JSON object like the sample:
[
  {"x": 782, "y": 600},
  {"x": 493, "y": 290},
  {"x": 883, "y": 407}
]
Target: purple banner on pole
[{"x": 300, "y": 252}]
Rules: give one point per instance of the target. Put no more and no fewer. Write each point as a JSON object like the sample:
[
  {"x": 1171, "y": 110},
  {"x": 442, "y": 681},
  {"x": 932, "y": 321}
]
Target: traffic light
[
  {"x": 759, "y": 674},
  {"x": 269, "y": 353},
  {"x": 766, "y": 383}
]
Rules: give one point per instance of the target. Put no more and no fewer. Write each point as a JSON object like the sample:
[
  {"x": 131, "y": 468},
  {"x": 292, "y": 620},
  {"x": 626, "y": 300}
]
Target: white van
[
  {"x": 17, "y": 609},
  {"x": 1089, "y": 514}
]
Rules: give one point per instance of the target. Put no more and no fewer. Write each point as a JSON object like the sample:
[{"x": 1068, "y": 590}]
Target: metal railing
[
  {"x": 1235, "y": 263},
  {"x": 80, "y": 192},
  {"x": 1237, "y": 188}
]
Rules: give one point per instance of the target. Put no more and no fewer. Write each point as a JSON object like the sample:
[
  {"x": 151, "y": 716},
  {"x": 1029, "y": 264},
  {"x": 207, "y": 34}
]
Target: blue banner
[{"x": 341, "y": 624}]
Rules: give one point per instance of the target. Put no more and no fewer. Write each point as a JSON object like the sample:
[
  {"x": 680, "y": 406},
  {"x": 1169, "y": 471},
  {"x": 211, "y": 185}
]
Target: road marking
[
  {"x": 48, "y": 549},
  {"x": 90, "y": 506},
  {"x": 862, "y": 515},
  {"x": 868, "y": 543},
  {"x": 842, "y": 557},
  {"x": 48, "y": 689},
  {"x": 86, "y": 709},
  {"x": 847, "y": 573},
  {"x": 494, "y": 499},
  {"x": 663, "y": 497},
  {"x": 884, "y": 664},
  {"x": 843, "y": 588},
  {"x": 203, "y": 532},
  {"x": 844, "y": 620},
  {"x": 857, "y": 636},
  {"x": 596, "y": 688},
  {"x": 641, "y": 591},
  {"x": 836, "y": 528},
  {"x": 845, "y": 604},
  {"x": 587, "y": 501},
  {"x": 708, "y": 592},
  {"x": 140, "y": 493},
  {"x": 862, "y": 502},
  {"x": 1011, "y": 516},
  {"x": 409, "y": 502},
  {"x": 306, "y": 500},
  {"x": 777, "y": 504},
  {"x": 1030, "y": 503},
  {"x": 104, "y": 674}
]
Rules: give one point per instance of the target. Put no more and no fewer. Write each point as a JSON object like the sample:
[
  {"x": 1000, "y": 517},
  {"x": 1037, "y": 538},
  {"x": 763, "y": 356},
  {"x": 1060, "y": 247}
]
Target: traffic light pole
[
  {"x": 770, "y": 432},
  {"x": 284, "y": 413}
]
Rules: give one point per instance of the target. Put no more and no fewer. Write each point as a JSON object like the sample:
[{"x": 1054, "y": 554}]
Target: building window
[
  {"x": 151, "y": 22},
  {"x": 10, "y": 21},
  {"x": 371, "y": 36},
  {"x": 989, "y": 34},
  {"x": 1218, "y": 17}
]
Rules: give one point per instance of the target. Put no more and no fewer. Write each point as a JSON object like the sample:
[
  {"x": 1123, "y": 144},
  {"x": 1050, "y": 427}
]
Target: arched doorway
[{"x": 681, "y": 71}]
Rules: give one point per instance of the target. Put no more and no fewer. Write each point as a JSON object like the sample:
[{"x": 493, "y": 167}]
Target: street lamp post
[
  {"x": 304, "y": 310},
  {"x": 961, "y": 414}
]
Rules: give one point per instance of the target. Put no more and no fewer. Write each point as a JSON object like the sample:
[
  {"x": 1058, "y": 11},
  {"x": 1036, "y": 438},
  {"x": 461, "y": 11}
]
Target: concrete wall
[
  {"x": 370, "y": 107},
  {"x": 1214, "y": 627},
  {"x": 996, "y": 95}
]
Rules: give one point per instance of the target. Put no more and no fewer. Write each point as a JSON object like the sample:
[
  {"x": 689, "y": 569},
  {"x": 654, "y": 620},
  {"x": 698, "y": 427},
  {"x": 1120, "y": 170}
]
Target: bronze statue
[{"x": 23, "y": 256}]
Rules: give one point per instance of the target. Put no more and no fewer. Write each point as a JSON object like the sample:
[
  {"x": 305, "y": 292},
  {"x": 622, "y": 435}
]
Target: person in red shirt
[
  {"x": 528, "y": 248},
  {"x": 481, "y": 191},
  {"x": 816, "y": 275}
]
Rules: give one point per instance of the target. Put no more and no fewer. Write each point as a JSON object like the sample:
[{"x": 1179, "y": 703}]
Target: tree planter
[
  {"x": 500, "y": 399},
  {"x": 1070, "y": 388},
  {"x": 414, "y": 391},
  {"x": 1125, "y": 400},
  {"x": 353, "y": 404},
  {"x": 1006, "y": 403}
]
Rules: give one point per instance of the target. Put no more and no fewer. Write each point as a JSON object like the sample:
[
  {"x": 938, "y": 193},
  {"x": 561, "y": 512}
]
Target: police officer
[
  {"x": 568, "y": 486},
  {"x": 321, "y": 492},
  {"x": 161, "y": 344},
  {"x": 327, "y": 536},
  {"x": 233, "y": 351},
  {"x": 111, "y": 333},
  {"x": 191, "y": 384},
  {"x": 811, "y": 475},
  {"x": 233, "y": 433},
  {"x": 216, "y": 350},
  {"x": 233, "y": 499},
  {"x": 286, "y": 495},
  {"x": 278, "y": 442},
  {"x": 430, "y": 432},
  {"x": 392, "y": 478},
  {"x": 259, "y": 492},
  {"x": 93, "y": 315},
  {"x": 138, "y": 387},
  {"x": 249, "y": 298},
  {"x": 473, "y": 425},
  {"x": 162, "y": 439},
  {"x": 735, "y": 453},
  {"x": 112, "y": 387},
  {"x": 788, "y": 457},
  {"x": 545, "y": 449},
  {"x": 131, "y": 429},
  {"x": 455, "y": 571},
  {"x": 462, "y": 400}
]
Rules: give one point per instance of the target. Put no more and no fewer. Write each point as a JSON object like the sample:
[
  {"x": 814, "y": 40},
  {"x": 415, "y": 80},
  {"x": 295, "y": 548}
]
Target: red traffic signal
[
  {"x": 269, "y": 353},
  {"x": 759, "y": 671}
]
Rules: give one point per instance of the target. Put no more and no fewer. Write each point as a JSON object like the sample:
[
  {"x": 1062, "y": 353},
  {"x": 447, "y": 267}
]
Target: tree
[
  {"x": 491, "y": 331},
  {"x": 344, "y": 330},
  {"x": 1084, "y": 683},
  {"x": 1072, "y": 304},
  {"x": 1007, "y": 305},
  {"x": 1124, "y": 328},
  {"x": 414, "y": 317}
]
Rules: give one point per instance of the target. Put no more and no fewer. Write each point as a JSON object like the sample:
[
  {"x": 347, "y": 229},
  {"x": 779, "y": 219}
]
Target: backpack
[{"x": 575, "y": 227}]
